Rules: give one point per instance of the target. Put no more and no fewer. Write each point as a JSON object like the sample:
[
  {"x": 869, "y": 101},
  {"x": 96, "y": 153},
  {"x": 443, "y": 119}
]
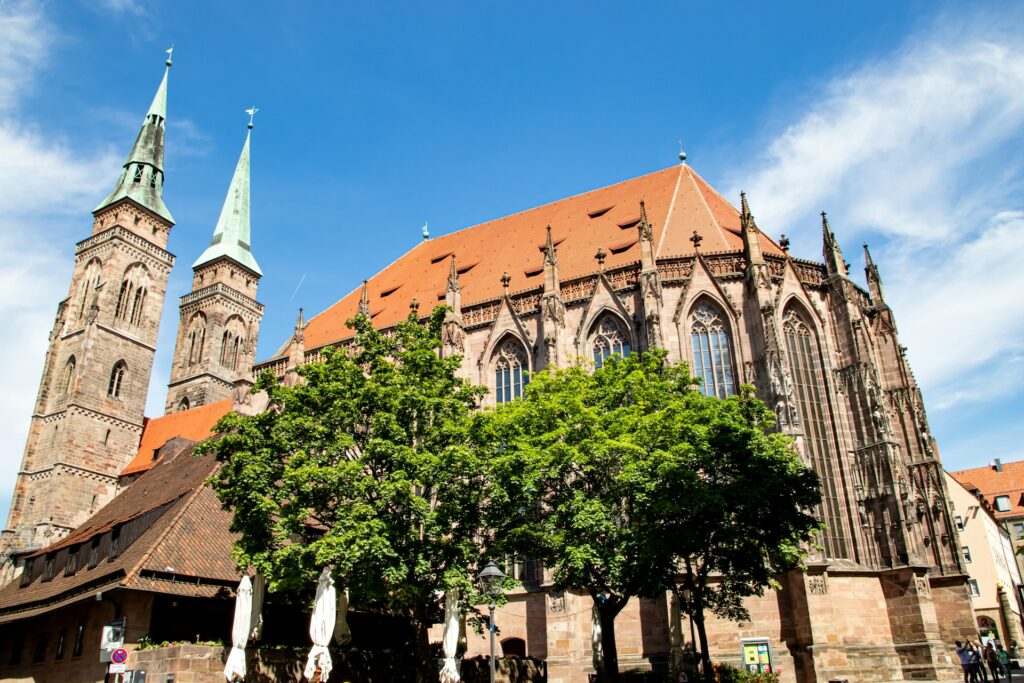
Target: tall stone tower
[
  {"x": 220, "y": 317},
  {"x": 88, "y": 415}
]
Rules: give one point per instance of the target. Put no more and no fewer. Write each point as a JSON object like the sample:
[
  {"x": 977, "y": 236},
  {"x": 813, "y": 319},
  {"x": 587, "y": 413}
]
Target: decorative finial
[
  {"x": 825, "y": 227},
  {"x": 550, "y": 257},
  {"x": 251, "y": 111},
  {"x": 364, "y": 302},
  {"x": 505, "y": 280},
  {"x": 601, "y": 255},
  {"x": 682, "y": 154},
  {"x": 426, "y": 230},
  {"x": 867, "y": 256},
  {"x": 784, "y": 243},
  {"x": 170, "y": 53},
  {"x": 414, "y": 306},
  {"x": 453, "y": 276},
  {"x": 696, "y": 239},
  {"x": 646, "y": 231}
]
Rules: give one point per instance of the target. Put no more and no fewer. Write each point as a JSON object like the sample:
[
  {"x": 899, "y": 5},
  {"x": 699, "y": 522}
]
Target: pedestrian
[
  {"x": 978, "y": 672},
  {"x": 1004, "y": 660},
  {"x": 992, "y": 661},
  {"x": 964, "y": 654}
]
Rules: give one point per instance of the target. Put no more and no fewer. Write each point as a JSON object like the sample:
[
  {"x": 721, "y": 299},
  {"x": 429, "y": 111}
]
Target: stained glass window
[
  {"x": 805, "y": 364},
  {"x": 510, "y": 371},
  {"x": 712, "y": 362},
  {"x": 608, "y": 339}
]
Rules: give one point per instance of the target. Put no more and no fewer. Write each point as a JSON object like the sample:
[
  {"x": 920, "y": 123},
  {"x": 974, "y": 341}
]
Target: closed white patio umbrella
[
  {"x": 259, "y": 591},
  {"x": 450, "y": 638},
  {"x": 241, "y": 626},
  {"x": 321, "y": 627}
]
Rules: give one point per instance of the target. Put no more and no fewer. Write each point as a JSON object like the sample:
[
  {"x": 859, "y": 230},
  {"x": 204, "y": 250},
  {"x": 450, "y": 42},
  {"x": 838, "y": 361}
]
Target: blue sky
[{"x": 903, "y": 120}]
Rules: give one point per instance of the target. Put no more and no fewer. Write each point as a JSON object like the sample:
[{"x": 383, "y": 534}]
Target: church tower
[
  {"x": 220, "y": 317},
  {"x": 88, "y": 416}
]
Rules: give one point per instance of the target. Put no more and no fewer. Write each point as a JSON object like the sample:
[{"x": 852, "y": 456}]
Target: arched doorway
[
  {"x": 987, "y": 629},
  {"x": 513, "y": 647}
]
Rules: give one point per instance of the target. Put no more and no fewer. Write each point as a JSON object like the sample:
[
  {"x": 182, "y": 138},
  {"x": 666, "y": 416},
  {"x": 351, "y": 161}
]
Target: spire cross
[
  {"x": 170, "y": 53},
  {"x": 601, "y": 255},
  {"x": 784, "y": 243},
  {"x": 696, "y": 239},
  {"x": 505, "y": 280},
  {"x": 251, "y": 111}
]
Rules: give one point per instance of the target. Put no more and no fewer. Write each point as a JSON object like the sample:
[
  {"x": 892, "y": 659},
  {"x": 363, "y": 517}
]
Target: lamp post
[{"x": 490, "y": 585}]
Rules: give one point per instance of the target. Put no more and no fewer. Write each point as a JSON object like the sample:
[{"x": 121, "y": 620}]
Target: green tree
[
  {"x": 364, "y": 466},
  {"x": 736, "y": 504},
  {"x": 568, "y": 479}
]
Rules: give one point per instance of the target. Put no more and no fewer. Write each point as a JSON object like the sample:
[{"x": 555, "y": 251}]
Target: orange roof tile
[
  {"x": 990, "y": 483},
  {"x": 194, "y": 424},
  {"x": 677, "y": 199}
]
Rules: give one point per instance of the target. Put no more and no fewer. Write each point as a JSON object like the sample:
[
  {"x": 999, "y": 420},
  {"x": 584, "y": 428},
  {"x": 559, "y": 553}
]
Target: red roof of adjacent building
[
  {"x": 991, "y": 483},
  {"x": 678, "y": 202},
  {"x": 194, "y": 424}
]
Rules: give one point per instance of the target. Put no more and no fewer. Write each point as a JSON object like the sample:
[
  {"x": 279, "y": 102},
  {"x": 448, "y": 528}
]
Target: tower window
[
  {"x": 122, "y": 299},
  {"x": 79, "y": 641},
  {"x": 67, "y": 381},
  {"x": 183, "y": 404},
  {"x": 138, "y": 174},
  {"x": 138, "y": 301},
  {"x": 117, "y": 378},
  {"x": 509, "y": 372},
  {"x": 609, "y": 339},
  {"x": 711, "y": 359}
]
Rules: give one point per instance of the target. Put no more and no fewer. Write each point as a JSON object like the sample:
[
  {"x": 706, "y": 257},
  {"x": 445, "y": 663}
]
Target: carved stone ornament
[
  {"x": 650, "y": 285},
  {"x": 452, "y": 336},
  {"x": 557, "y": 601},
  {"x": 923, "y": 587},
  {"x": 550, "y": 351},
  {"x": 818, "y": 585},
  {"x": 554, "y": 310}
]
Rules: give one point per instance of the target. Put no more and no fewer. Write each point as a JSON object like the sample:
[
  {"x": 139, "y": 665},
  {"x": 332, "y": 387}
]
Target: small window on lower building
[
  {"x": 1002, "y": 503},
  {"x": 972, "y": 586},
  {"x": 1018, "y": 530},
  {"x": 61, "y": 637},
  {"x": 40, "y": 652},
  {"x": 967, "y": 553},
  {"x": 79, "y": 638},
  {"x": 959, "y": 522}
]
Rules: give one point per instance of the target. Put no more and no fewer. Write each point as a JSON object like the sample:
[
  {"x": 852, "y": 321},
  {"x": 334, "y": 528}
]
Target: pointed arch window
[
  {"x": 609, "y": 338},
  {"x": 712, "y": 362},
  {"x": 225, "y": 344},
  {"x": 138, "y": 301},
  {"x": 68, "y": 378},
  {"x": 804, "y": 355},
  {"x": 122, "y": 299},
  {"x": 510, "y": 371},
  {"x": 89, "y": 284},
  {"x": 183, "y": 404},
  {"x": 118, "y": 375}
]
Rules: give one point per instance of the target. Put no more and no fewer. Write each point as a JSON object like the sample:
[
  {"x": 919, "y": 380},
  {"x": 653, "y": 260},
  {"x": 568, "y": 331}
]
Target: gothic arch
[
  {"x": 505, "y": 323},
  {"x": 231, "y": 342},
  {"x": 707, "y": 339},
  {"x": 116, "y": 387},
  {"x": 131, "y": 295},
  {"x": 195, "y": 339},
  {"x": 67, "y": 378},
  {"x": 603, "y": 301},
  {"x": 508, "y": 366},
  {"x": 609, "y": 334},
  {"x": 90, "y": 280}
]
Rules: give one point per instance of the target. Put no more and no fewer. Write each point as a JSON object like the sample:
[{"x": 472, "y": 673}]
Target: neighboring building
[
  {"x": 988, "y": 555},
  {"x": 661, "y": 260},
  {"x": 1001, "y": 485}
]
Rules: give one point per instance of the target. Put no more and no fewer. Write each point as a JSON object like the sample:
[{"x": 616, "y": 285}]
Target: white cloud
[
  {"x": 46, "y": 191},
  {"x": 120, "y": 6},
  {"x": 919, "y": 150}
]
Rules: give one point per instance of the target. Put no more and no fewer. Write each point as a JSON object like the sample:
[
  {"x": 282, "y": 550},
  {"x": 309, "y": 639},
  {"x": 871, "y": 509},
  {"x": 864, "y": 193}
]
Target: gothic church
[{"x": 659, "y": 260}]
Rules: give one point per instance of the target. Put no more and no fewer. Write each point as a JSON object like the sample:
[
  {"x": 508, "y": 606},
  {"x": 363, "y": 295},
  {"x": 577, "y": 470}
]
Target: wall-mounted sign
[{"x": 757, "y": 655}]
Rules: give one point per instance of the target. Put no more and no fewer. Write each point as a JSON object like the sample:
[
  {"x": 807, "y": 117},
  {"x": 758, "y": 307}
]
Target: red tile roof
[
  {"x": 194, "y": 424},
  {"x": 677, "y": 199},
  {"x": 990, "y": 483},
  {"x": 184, "y": 549}
]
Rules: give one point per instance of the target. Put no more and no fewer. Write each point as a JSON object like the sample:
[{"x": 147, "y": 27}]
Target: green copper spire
[
  {"x": 231, "y": 236},
  {"x": 142, "y": 177}
]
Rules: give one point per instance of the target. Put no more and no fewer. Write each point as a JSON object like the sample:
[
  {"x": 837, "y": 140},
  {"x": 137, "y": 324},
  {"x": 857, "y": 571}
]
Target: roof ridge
[
  {"x": 668, "y": 214},
  {"x": 704, "y": 203},
  {"x": 189, "y": 498}
]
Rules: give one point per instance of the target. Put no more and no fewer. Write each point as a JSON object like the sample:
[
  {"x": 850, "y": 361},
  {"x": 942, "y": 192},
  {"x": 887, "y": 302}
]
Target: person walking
[
  {"x": 1004, "y": 660},
  {"x": 978, "y": 671},
  {"x": 963, "y": 652},
  {"x": 992, "y": 661}
]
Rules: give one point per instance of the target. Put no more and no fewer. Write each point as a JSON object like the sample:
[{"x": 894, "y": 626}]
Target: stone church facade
[{"x": 662, "y": 260}]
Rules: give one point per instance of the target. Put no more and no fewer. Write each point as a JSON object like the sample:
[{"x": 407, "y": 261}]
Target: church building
[{"x": 661, "y": 260}]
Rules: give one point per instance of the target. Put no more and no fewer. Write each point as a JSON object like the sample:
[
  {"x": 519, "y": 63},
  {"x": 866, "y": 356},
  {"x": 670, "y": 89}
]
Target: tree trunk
[
  {"x": 702, "y": 634},
  {"x": 608, "y": 610}
]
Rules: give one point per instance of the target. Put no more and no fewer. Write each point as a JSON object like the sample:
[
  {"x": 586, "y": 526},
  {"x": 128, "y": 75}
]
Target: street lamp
[{"x": 490, "y": 585}]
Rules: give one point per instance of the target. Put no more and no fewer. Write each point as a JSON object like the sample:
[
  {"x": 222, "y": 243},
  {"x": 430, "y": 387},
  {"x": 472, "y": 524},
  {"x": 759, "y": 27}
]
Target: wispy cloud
[
  {"x": 919, "y": 152},
  {"x": 44, "y": 190},
  {"x": 120, "y": 6}
]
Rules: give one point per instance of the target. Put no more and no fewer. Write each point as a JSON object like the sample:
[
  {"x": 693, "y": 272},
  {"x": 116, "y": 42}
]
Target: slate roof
[
  {"x": 991, "y": 483},
  {"x": 194, "y": 424},
  {"x": 678, "y": 202},
  {"x": 174, "y": 538}
]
